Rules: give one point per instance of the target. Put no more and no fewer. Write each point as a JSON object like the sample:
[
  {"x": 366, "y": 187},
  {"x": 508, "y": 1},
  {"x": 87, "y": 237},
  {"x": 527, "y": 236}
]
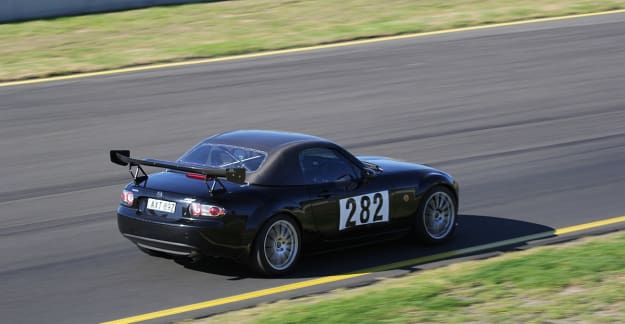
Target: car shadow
[{"x": 475, "y": 234}]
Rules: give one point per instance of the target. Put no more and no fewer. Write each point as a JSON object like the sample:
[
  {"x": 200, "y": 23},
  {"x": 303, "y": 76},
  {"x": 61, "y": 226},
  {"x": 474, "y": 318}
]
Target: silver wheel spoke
[
  {"x": 275, "y": 258},
  {"x": 444, "y": 204},
  {"x": 273, "y": 235},
  {"x": 285, "y": 231}
]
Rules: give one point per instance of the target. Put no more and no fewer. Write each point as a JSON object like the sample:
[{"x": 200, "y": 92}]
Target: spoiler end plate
[{"x": 120, "y": 157}]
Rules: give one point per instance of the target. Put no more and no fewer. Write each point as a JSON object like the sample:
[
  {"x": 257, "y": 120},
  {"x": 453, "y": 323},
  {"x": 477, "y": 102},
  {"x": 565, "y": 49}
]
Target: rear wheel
[
  {"x": 277, "y": 246},
  {"x": 436, "y": 216}
]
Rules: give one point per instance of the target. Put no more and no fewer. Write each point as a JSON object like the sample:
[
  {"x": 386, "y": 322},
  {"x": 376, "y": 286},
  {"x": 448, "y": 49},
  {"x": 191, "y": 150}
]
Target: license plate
[{"x": 161, "y": 205}]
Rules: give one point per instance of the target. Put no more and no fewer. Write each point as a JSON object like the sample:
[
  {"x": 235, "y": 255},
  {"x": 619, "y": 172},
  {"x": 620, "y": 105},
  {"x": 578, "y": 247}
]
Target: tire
[
  {"x": 436, "y": 216},
  {"x": 277, "y": 247}
]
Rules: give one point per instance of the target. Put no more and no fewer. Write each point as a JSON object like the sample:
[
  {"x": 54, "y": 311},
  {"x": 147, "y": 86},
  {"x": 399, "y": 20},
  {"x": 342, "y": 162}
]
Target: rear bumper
[
  {"x": 168, "y": 247},
  {"x": 210, "y": 238}
]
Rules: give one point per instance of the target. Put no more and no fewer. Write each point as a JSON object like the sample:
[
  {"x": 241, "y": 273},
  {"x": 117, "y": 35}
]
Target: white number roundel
[{"x": 364, "y": 209}]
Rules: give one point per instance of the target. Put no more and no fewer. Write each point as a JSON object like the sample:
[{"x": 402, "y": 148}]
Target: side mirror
[{"x": 368, "y": 174}]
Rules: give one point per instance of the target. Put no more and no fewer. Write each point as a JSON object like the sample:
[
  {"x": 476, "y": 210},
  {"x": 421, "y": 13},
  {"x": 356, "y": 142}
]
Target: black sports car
[{"x": 264, "y": 196}]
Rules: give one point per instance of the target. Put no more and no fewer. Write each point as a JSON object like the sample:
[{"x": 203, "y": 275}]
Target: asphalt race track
[{"x": 530, "y": 119}]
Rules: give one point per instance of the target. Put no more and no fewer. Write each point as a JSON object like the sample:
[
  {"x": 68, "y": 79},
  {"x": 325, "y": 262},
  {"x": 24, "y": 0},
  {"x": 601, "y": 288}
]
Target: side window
[{"x": 323, "y": 165}]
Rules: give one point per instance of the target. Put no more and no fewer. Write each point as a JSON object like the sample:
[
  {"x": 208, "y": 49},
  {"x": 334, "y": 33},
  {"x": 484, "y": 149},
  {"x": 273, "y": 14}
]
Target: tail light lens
[
  {"x": 197, "y": 210},
  {"x": 128, "y": 198}
]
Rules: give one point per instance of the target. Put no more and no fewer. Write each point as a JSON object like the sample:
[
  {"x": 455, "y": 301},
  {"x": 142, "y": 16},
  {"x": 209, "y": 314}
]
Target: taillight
[
  {"x": 197, "y": 210},
  {"x": 128, "y": 198}
]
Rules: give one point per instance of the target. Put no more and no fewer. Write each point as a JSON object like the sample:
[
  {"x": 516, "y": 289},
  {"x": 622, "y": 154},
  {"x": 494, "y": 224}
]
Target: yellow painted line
[
  {"x": 582, "y": 227},
  {"x": 299, "y": 49},
  {"x": 363, "y": 272},
  {"x": 233, "y": 299}
]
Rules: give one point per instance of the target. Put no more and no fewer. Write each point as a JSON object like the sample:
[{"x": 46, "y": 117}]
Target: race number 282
[{"x": 365, "y": 209}]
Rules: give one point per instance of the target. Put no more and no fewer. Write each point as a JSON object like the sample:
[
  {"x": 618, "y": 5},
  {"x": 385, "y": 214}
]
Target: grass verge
[
  {"x": 583, "y": 281},
  {"x": 173, "y": 33}
]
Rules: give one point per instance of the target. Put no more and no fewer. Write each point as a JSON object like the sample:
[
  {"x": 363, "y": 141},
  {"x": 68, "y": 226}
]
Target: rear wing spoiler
[{"x": 122, "y": 157}]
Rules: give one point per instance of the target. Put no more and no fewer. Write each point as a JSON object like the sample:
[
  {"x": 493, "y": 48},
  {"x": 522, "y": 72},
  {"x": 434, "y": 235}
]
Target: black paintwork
[{"x": 277, "y": 187}]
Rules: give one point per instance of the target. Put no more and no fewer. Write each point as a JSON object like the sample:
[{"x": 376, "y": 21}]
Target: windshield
[{"x": 224, "y": 156}]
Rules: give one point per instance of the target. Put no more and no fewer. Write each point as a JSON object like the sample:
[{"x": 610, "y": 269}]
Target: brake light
[
  {"x": 197, "y": 210},
  {"x": 128, "y": 198},
  {"x": 196, "y": 176}
]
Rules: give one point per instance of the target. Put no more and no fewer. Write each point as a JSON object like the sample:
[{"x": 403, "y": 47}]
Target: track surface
[{"x": 530, "y": 119}]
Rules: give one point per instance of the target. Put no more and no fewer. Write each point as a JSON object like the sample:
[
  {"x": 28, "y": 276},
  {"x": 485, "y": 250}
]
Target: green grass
[
  {"x": 174, "y": 33},
  {"x": 582, "y": 281}
]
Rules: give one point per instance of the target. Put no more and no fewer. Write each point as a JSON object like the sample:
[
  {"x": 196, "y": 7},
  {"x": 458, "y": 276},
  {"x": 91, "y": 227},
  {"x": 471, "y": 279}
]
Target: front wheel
[
  {"x": 436, "y": 216},
  {"x": 277, "y": 246}
]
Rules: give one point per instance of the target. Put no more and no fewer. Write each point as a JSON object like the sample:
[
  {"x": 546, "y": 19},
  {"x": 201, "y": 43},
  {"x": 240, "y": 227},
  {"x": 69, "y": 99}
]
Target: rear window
[{"x": 224, "y": 156}]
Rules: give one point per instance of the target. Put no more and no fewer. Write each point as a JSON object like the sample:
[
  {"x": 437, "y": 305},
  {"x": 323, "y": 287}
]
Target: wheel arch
[
  {"x": 271, "y": 215},
  {"x": 433, "y": 180},
  {"x": 435, "y": 184},
  {"x": 258, "y": 258}
]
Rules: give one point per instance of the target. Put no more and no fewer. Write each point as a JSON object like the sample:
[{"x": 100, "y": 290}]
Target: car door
[{"x": 345, "y": 205}]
